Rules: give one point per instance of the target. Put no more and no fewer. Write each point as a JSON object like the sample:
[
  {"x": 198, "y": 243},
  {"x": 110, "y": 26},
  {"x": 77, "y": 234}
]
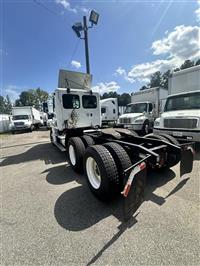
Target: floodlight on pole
[{"x": 78, "y": 27}]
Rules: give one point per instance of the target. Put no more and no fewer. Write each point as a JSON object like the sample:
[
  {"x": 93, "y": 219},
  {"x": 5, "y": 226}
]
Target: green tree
[
  {"x": 33, "y": 97},
  {"x": 155, "y": 79},
  {"x": 8, "y": 105},
  {"x": 197, "y": 62},
  {"x": 2, "y": 105},
  {"x": 165, "y": 78},
  {"x": 124, "y": 99},
  {"x": 187, "y": 64},
  {"x": 144, "y": 88}
]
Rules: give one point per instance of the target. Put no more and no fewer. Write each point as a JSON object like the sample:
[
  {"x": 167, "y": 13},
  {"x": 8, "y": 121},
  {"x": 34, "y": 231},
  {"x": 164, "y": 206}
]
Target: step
[{"x": 61, "y": 137}]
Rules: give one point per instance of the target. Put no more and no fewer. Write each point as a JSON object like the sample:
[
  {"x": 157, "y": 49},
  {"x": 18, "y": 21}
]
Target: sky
[{"x": 131, "y": 41}]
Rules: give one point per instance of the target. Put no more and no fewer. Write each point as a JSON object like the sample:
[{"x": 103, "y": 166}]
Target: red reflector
[{"x": 142, "y": 166}]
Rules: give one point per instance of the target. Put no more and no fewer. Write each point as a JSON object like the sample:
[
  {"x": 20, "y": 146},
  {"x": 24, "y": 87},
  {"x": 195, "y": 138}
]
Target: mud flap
[
  {"x": 186, "y": 163},
  {"x": 135, "y": 196}
]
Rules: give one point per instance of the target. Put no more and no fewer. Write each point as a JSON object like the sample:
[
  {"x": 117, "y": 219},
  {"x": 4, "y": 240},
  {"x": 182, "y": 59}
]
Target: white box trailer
[
  {"x": 25, "y": 118},
  {"x": 109, "y": 110},
  {"x": 4, "y": 123},
  {"x": 144, "y": 108},
  {"x": 181, "y": 116}
]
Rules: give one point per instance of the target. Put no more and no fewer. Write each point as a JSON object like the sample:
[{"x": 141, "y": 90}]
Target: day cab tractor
[{"x": 114, "y": 161}]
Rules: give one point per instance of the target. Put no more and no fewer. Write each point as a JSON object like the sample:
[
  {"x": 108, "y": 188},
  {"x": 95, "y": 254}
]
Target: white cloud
[
  {"x": 85, "y": 10},
  {"x": 197, "y": 12},
  {"x": 177, "y": 46},
  {"x": 66, "y": 5},
  {"x": 106, "y": 87},
  {"x": 76, "y": 64},
  {"x": 12, "y": 91},
  {"x": 3, "y": 52}
]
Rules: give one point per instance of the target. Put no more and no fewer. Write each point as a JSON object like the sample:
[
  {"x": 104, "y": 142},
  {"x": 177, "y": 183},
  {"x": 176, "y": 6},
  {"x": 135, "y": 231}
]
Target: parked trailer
[
  {"x": 144, "y": 108},
  {"x": 115, "y": 161},
  {"x": 4, "y": 123},
  {"x": 25, "y": 118},
  {"x": 181, "y": 116},
  {"x": 109, "y": 110}
]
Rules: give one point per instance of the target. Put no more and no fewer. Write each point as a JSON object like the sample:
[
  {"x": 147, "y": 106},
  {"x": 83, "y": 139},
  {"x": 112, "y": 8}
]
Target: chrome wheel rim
[
  {"x": 72, "y": 155},
  {"x": 93, "y": 173}
]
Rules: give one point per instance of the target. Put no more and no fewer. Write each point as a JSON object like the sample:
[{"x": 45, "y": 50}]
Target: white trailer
[
  {"x": 109, "y": 110},
  {"x": 144, "y": 108},
  {"x": 181, "y": 116},
  {"x": 25, "y": 118},
  {"x": 4, "y": 123}
]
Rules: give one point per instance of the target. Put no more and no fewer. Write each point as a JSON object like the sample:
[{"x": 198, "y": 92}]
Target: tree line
[
  {"x": 158, "y": 79},
  {"x": 35, "y": 97}
]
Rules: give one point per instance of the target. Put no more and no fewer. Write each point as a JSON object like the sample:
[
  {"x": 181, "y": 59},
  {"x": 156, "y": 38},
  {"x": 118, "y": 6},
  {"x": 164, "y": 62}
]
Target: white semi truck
[
  {"x": 115, "y": 161},
  {"x": 181, "y": 116},
  {"x": 144, "y": 108},
  {"x": 109, "y": 110},
  {"x": 24, "y": 118}
]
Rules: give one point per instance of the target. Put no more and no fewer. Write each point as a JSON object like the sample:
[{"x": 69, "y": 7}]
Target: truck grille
[
  {"x": 125, "y": 120},
  {"x": 18, "y": 123},
  {"x": 180, "y": 123}
]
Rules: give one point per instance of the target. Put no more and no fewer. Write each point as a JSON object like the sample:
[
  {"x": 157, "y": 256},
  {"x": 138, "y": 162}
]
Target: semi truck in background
[
  {"x": 109, "y": 110},
  {"x": 144, "y": 108},
  {"x": 24, "y": 118},
  {"x": 181, "y": 116}
]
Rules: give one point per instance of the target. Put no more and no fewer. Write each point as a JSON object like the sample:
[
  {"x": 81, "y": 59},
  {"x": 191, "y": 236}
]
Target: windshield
[
  {"x": 20, "y": 117},
  {"x": 136, "y": 108},
  {"x": 183, "y": 102}
]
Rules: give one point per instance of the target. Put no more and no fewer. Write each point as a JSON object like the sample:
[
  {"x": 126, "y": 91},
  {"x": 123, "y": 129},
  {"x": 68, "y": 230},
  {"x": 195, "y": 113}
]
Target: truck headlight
[
  {"x": 156, "y": 122},
  {"x": 139, "y": 121}
]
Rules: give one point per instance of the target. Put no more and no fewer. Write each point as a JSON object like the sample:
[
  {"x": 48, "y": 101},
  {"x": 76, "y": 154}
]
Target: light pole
[{"x": 78, "y": 27}]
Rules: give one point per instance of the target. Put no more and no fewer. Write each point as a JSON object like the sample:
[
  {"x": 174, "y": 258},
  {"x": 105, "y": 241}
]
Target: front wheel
[
  {"x": 76, "y": 150},
  {"x": 146, "y": 128}
]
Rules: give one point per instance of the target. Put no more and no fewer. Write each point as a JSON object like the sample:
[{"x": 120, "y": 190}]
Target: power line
[
  {"x": 74, "y": 51},
  {"x": 46, "y": 8}
]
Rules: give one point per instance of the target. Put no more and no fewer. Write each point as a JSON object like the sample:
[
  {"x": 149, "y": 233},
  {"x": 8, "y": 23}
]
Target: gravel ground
[{"x": 49, "y": 216}]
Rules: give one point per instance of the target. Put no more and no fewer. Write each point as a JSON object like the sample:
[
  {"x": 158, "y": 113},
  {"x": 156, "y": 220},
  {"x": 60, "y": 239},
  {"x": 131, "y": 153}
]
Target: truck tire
[
  {"x": 87, "y": 140},
  {"x": 170, "y": 138},
  {"x": 75, "y": 151},
  {"x": 122, "y": 160},
  {"x": 101, "y": 172},
  {"x": 145, "y": 128},
  {"x": 172, "y": 159},
  {"x": 155, "y": 136}
]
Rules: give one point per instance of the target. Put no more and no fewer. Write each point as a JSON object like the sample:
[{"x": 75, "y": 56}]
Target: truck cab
[
  {"x": 181, "y": 116},
  {"x": 21, "y": 122},
  {"x": 77, "y": 109},
  {"x": 138, "y": 116}
]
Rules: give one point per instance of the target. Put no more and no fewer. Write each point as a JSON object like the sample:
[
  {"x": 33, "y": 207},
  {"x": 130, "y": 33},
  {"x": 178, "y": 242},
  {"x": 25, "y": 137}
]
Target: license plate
[{"x": 177, "y": 134}]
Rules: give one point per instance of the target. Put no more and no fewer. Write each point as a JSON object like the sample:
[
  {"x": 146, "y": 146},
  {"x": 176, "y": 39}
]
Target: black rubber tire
[
  {"x": 51, "y": 138},
  {"x": 108, "y": 171},
  {"x": 121, "y": 158},
  {"x": 172, "y": 159},
  {"x": 144, "y": 127},
  {"x": 170, "y": 138},
  {"x": 155, "y": 136},
  {"x": 87, "y": 140},
  {"x": 79, "y": 150}
]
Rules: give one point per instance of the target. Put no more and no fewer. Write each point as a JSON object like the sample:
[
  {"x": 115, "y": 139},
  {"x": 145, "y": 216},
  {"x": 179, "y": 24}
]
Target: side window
[
  {"x": 114, "y": 111},
  {"x": 89, "y": 101},
  {"x": 150, "y": 107},
  {"x": 71, "y": 101},
  {"x": 103, "y": 110}
]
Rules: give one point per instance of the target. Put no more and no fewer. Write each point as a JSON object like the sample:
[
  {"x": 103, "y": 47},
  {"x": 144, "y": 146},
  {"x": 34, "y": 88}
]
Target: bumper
[
  {"x": 19, "y": 128},
  {"x": 136, "y": 127},
  {"x": 181, "y": 134}
]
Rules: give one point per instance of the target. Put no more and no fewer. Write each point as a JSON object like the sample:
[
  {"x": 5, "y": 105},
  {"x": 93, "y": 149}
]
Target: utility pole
[
  {"x": 86, "y": 45},
  {"x": 79, "y": 27}
]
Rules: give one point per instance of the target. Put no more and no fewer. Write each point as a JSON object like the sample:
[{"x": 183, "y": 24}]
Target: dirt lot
[{"x": 49, "y": 216}]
